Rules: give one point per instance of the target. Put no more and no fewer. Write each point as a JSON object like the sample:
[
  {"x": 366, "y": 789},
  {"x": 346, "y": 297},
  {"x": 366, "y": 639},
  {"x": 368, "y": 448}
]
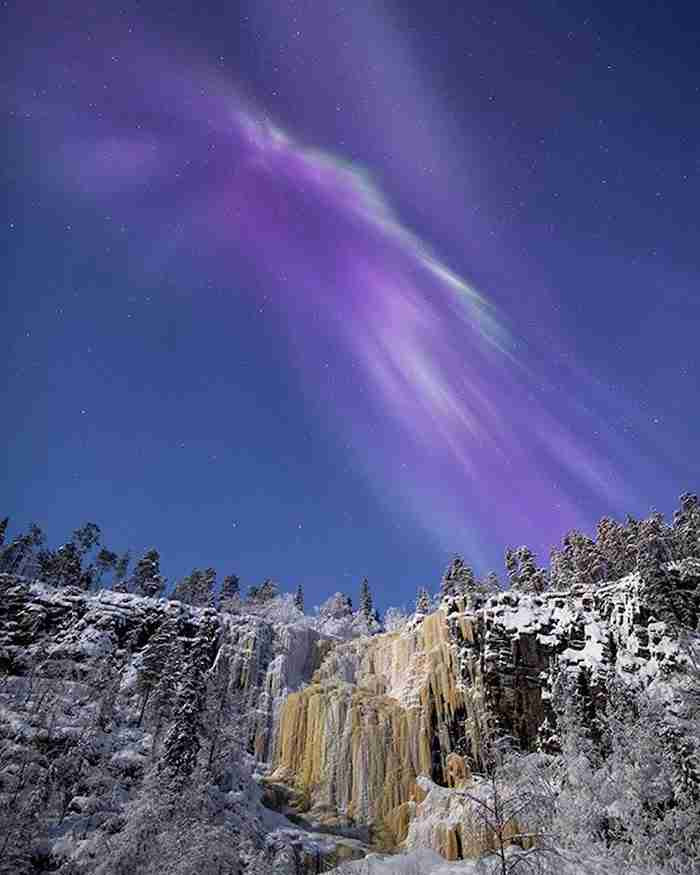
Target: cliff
[
  {"x": 381, "y": 712},
  {"x": 328, "y": 743},
  {"x": 81, "y": 745}
]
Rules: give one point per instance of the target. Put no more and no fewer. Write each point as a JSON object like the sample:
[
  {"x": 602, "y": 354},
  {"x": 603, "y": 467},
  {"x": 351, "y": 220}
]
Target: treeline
[
  {"x": 617, "y": 549},
  {"x": 85, "y": 562},
  {"x": 642, "y": 546}
]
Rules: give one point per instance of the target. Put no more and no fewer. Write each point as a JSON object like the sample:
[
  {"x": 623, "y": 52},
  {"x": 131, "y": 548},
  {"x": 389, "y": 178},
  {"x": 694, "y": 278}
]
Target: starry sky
[{"x": 315, "y": 291}]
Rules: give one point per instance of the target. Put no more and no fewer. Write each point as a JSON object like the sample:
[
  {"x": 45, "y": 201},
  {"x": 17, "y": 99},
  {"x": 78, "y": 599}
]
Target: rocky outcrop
[
  {"x": 517, "y": 643},
  {"x": 382, "y": 712}
]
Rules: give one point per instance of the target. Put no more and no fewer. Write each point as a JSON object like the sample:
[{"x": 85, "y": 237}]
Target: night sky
[{"x": 318, "y": 290}]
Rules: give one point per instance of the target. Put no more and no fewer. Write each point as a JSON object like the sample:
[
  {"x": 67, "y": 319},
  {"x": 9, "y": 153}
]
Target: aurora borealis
[{"x": 461, "y": 401}]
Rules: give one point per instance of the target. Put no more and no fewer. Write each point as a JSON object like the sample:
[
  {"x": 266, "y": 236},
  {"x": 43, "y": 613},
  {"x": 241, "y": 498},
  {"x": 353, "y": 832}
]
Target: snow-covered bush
[
  {"x": 337, "y": 606},
  {"x": 280, "y": 609},
  {"x": 626, "y": 786},
  {"x": 396, "y": 619}
]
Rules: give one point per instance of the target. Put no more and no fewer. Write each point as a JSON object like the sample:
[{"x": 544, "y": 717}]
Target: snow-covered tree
[
  {"x": 686, "y": 527},
  {"x": 230, "y": 595},
  {"x": 653, "y": 550},
  {"x": 366, "y": 599},
  {"x": 121, "y": 569},
  {"x": 503, "y": 808},
  {"x": 147, "y": 579},
  {"x": 523, "y": 571},
  {"x": 19, "y": 556},
  {"x": 264, "y": 593},
  {"x": 492, "y": 583},
  {"x": 183, "y": 591},
  {"x": 299, "y": 598},
  {"x": 396, "y": 619},
  {"x": 197, "y": 588},
  {"x": 631, "y": 528},
  {"x": 182, "y": 741},
  {"x": 576, "y": 563},
  {"x": 337, "y": 606},
  {"x": 512, "y": 566},
  {"x": 155, "y": 659},
  {"x": 611, "y": 549},
  {"x": 623, "y": 793},
  {"x": 62, "y": 568},
  {"x": 458, "y": 579},
  {"x": 205, "y": 588},
  {"x": 560, "y": 569},
  {"x": 422, "y": 602}
]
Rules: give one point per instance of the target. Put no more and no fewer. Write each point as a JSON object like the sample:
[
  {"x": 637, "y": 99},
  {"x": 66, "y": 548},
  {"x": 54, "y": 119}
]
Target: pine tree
[
  {"x": 3, "y": 529},
  {"x": 492, "y": 584},
  {"x": 268, "y": 591},
  {"x": 182, "y": 742},
  {"x": 686, "y": 527},
  {"x": 512, "y": 564},
  {"x": 631, "y": 530},
  {"x": 86, "y": 538},
  {"x": 458, "y": 579},
  {"x": 524, "y": 573},
  {"x": 147, "y": 579},
  {"x": 121, "y": 569},
  {"x": 207, "y": 588},
  {"x": 577, "y": 563},
  {"x": 299, "y": 599},
  {"x": 230, "y": 595},
  {"x": 154, "y": 661},
  {"x": 653, "y": 550},
  {"x": 366, "y": 599},
  {"x": 18, "y": 557},
  {"x": 533, "y": 578},
  {"x": 105, "y": 560},
  {"x": 162, "y": 699},
  {"x": 467, "y": 581},
  {"x": 587, "y": 566},
  {"x": 611, "y": 551},
  {"x": 66, "y": 568},
  {"x": 198, "y": 588},
  {"x": 422, "y": 602},
  {"x": 183, "y": 590},
  {"x": 560, "y": 569}
]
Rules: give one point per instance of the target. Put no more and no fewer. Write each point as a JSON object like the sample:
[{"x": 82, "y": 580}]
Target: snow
[{"x": 419, "y": 862}]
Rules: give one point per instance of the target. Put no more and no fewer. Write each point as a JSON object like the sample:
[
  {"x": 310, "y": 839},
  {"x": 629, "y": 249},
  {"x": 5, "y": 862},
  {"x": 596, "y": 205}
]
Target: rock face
[
  {"x": 72, "y": 722},
  {"x": 44, "y": 629},
  {"x": 516, "y": 643},
  {"x": 381, "y": 712},
  {"x": 367, "y": 737}
]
